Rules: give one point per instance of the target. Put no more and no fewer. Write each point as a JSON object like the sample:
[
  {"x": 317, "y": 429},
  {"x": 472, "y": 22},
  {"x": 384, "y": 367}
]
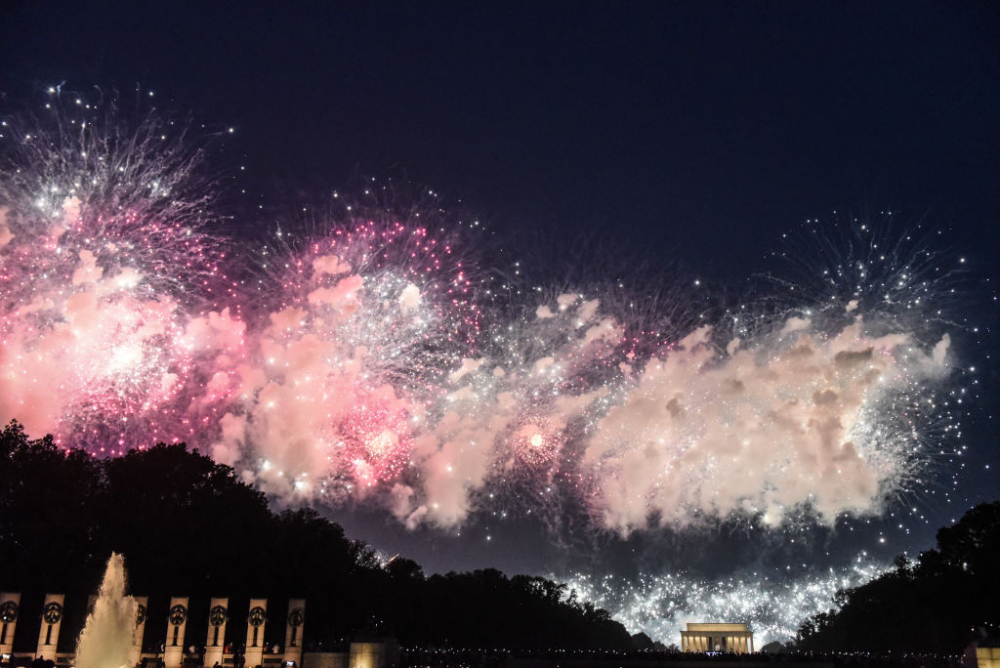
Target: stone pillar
[
  {"x": 10, "y": 607},
  {"x": 255, "y": 632},
  {"x": 294, "y": 628},
  {"x": 48, "y": 634},
  {"x": 141, "y": 604},
  {"x": 215, "y": 641},
  {"x": 173, "y": 653}
]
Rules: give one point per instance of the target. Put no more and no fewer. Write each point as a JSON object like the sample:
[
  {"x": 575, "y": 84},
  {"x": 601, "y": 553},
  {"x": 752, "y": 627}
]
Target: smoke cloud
[{"x": 371, "y": 364}]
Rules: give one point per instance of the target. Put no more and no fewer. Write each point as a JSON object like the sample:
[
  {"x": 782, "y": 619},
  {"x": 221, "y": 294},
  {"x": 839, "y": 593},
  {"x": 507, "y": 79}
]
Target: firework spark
[
  {"x": 371, "y": 359},
  {"x": 773, "y": 605},
  {"x": 105, "y": 258}
]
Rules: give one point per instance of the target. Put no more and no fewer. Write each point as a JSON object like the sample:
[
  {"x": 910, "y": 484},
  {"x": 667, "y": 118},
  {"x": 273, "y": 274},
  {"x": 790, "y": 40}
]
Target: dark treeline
[
  {"x": 947, "y": 599},
  {"x": 188, "y": 527}
]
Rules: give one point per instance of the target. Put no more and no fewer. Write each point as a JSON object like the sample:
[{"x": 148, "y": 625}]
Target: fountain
[{"x": 106, "y": 640}]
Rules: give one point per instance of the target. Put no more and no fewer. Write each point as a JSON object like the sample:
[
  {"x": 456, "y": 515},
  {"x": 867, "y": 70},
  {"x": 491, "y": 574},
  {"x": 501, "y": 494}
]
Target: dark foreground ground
[{"x": 654, "y": 659}]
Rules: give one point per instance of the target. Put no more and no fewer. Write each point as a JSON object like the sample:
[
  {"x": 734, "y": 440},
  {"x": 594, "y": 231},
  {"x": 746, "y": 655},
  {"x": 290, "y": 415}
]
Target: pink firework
[
  {"x": 357, "y": 330},
  {"x": 374, "y": 361},
  {"x": 537, "y": 445},
  {"x": 375, "y": 443},
  {"x": 102, "y": 260}
]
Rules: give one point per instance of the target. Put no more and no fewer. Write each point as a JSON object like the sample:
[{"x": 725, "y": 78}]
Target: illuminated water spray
[{"x": 107, "y": 637}]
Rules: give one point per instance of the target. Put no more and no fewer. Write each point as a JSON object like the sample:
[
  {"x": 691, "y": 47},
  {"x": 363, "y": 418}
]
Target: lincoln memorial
[{"x": 734, "y": 638}]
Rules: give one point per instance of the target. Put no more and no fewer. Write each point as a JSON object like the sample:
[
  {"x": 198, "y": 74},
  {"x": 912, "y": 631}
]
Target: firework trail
[{"x": 371, "y": 360}]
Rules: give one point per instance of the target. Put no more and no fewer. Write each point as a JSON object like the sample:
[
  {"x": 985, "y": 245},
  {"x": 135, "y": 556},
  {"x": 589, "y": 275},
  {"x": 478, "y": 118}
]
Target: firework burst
[
  {"x": 373, "y": 358},
  {"x": 104, "y": 257},
  {"x": 774, "y": 605},
  {"x": 357, "y": 325}
]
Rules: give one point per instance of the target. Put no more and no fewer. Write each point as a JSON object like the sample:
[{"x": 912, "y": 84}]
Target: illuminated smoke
[
  {"x": 371, "y": 360},
  {"x": 357, "y": 329},
  {"x": 760, "y": 427},
  {"x": 104, "y": 255}
]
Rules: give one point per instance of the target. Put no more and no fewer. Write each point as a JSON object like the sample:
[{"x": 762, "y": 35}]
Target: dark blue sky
[
  {"x": 696, "y": 131},
  {"x": 709, "y": 126}
]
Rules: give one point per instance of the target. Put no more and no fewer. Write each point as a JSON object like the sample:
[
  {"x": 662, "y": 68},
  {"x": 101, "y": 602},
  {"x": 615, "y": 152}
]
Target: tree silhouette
[
  {"x": 189, "y": 527},
  {"x": 937, "y": 605}
]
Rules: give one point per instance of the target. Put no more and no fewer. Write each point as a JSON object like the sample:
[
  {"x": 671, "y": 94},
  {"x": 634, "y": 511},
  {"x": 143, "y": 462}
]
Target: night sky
[{"x": 687, "y": 136}]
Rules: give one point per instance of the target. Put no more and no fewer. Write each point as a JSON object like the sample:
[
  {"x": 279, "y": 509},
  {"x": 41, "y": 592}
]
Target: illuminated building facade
[{"x": 734, "y": 638}]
